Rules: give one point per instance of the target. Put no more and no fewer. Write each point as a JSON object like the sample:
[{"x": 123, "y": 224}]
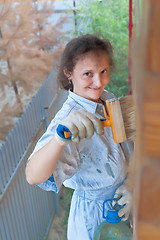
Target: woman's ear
[{"x": 67, "y": 73}]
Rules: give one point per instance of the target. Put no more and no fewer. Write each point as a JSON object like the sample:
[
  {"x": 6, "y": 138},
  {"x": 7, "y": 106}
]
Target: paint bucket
[{"x": 112, "y": 228}]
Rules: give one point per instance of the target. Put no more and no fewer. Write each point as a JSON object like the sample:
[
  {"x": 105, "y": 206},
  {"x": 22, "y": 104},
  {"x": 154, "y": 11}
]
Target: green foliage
[
  {"x": 66, "y": 204},
  {"x": 108, "y": 19}
]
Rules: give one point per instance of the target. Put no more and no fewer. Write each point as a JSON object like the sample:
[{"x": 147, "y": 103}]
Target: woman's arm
[
  {"x": 43, "y": 162},
  {"x": 82, "y": 124}
]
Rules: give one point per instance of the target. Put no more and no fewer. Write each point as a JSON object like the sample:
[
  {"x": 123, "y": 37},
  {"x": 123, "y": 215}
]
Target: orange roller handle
[{"x": 67, "y": 134}]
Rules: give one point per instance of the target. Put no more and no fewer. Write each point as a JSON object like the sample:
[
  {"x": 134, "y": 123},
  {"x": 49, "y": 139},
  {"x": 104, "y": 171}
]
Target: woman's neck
[{"x": 99, "y": 101}]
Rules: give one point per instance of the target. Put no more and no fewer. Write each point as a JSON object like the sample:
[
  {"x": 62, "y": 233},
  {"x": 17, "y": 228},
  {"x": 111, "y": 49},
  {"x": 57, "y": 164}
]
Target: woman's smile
[{"x": 95, "y": 89}]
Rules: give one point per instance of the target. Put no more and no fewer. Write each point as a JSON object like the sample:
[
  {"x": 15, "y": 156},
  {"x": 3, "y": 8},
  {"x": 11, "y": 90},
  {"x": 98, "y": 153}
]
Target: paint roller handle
[{"x": 65, "y": 133}]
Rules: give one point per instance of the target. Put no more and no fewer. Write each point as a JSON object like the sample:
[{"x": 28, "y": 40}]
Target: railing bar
[
  {"x": 35, "y": 200},
  {"x": 11, "y": 208},
  {"x": 38, "y": 116},
  {"x": 7, "y": 169},
  {"x": 32, "y": 121},
  {"x": 42, "y": 202},
  {"x": 11, "y": 152},
  {"x": 2, "y": 171},
  {"x": 29, "y": 116},
  {"x": 15, "y": 170},
  {"x": 5, "y": 216},
  {"x": 25, "y": 130},
  {"x": 28, "y": 123},
  {"x": 5, "y": 157},
  {"x": 22, "y": 205},
  {"x": 9, "y": 157},
  {"x": 17, "y": 146},
  {"x": 50, "y": 209},
  {"x": 32, "y": 210},
  {"x": 56, "y": 203},
  {"x": 2, "y": 232},
  {"x": 21, "y": 146},
  {"x": 17, "y": 206},
  {"x": 25, "y": 142},
  {"x": 29, "y": 133},
  {"x": 27, "y": 211},
  {"x": 47, "y": 210},
  {"x": 14, "y": 150},
  {"x": 2, "y": 228},
  {"x": 20, "y": 140},
  {"x": 22, "y": 129}
]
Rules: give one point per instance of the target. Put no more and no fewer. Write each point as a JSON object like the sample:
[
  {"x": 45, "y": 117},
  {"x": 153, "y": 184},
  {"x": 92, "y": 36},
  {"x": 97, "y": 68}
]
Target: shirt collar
[{"x": 89, "y": 105}]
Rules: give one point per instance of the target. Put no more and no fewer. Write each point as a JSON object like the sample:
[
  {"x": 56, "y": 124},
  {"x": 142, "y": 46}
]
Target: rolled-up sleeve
[{"x": 49, "y": 184}]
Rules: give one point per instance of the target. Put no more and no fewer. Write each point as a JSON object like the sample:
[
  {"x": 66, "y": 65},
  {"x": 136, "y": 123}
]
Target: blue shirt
[{"x": 90, "y": 164}]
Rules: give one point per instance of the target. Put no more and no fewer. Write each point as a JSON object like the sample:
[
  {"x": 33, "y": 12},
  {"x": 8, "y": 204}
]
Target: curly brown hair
[{"x": 75, "y": 49}]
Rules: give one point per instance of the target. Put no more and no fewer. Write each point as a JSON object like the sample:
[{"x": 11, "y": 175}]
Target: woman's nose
[{"x": 97, "y": 80}]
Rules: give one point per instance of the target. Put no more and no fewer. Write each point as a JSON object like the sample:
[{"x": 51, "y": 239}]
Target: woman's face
[{"x": 91, "y": 75}]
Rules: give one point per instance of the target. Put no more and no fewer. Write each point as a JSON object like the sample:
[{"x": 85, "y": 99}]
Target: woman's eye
[
  {"x": 104, "y": 71},
  {"x": 88, "y": 74}
]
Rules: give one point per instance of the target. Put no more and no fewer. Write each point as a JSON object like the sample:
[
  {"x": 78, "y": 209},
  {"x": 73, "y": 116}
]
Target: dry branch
[{"x": 30, "y": 45}]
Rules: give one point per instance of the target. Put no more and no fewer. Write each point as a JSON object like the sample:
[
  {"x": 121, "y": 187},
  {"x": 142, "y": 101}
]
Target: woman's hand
[
  {"x": 81, "y": 124},
  {"x": 125, "y": 200}
]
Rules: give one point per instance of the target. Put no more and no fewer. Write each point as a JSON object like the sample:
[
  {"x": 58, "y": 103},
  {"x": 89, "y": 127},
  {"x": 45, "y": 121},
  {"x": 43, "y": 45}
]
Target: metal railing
[{"x": 26, "y": 211}]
